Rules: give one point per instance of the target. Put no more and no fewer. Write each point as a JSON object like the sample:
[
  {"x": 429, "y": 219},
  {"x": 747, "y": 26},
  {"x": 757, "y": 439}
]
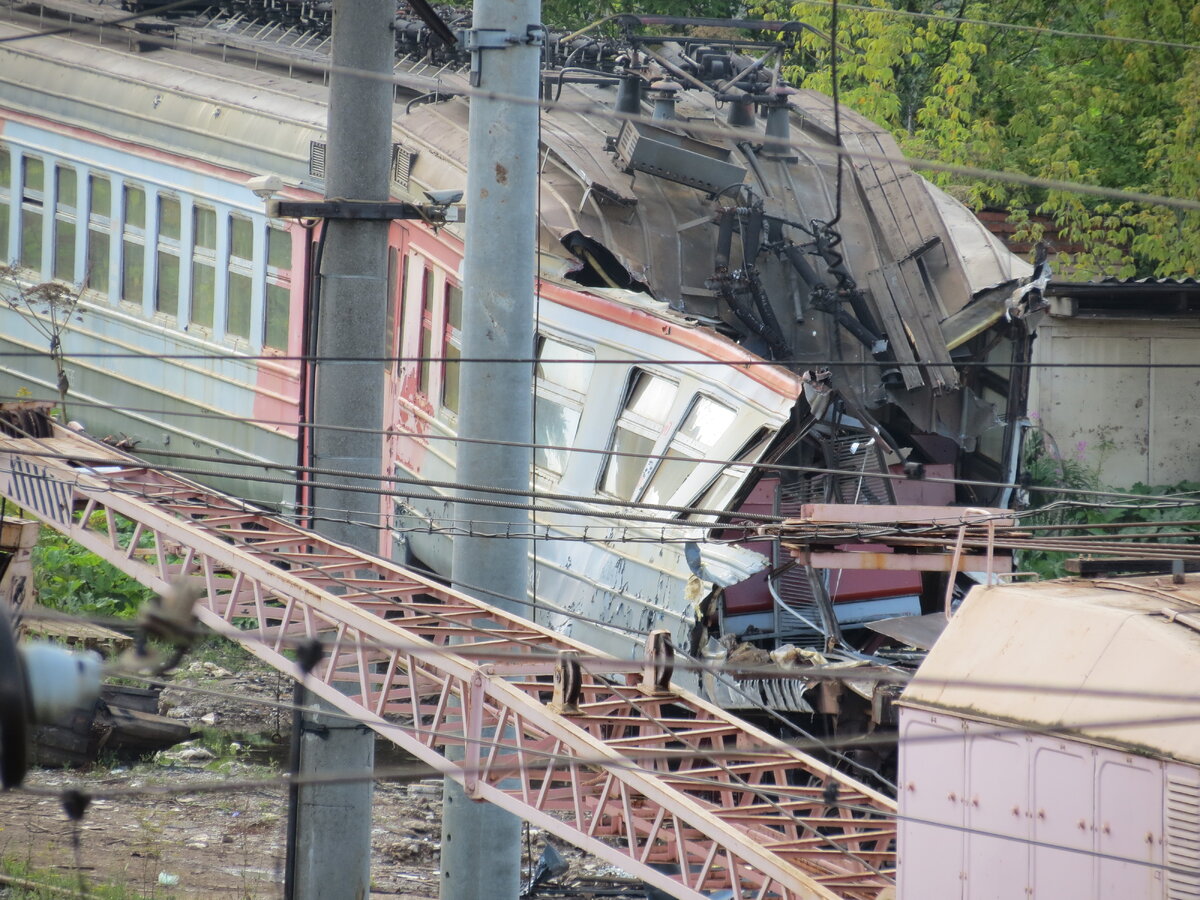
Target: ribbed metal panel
[
  {"x": 802, "y": 622},
  {"x": 1183, "y": 839},
  {"x": 316, "y": 159},
  {"x": 804, "y": 613},
  {"x": 858, "y": 457},
  {"x": 402, "y": 163}
]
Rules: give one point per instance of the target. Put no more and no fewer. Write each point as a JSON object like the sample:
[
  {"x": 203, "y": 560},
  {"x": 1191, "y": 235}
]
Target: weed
[
  {"x": 1045, "y": 467},
  {"x": 24, "y": 882},
  {"x": 70, "y": 578}
]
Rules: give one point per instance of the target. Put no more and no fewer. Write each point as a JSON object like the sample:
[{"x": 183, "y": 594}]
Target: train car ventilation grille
[
  {"x": 403, "y": 159},
  {"x": 1183, "y": 838},
  {"x": 316, "y": 159}
]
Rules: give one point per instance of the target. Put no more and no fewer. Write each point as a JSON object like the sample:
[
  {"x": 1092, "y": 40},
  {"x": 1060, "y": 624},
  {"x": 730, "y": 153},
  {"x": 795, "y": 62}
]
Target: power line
[
  {"x": 669, "y": 530},
  {"x": 726, "y": 132},
  {"x": 816, "y": 673},
  {"x": 417, "y": 772},
  {"x": 76, "y": 27},
  {"x": 1007, "y": 26},
  {"x": 236, "y": 356},
  {"x": 1142, "y": 500}
]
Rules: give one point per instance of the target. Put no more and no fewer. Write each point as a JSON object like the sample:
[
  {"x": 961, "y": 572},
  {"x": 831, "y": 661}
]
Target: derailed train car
[{"x": 728, "y": 319}]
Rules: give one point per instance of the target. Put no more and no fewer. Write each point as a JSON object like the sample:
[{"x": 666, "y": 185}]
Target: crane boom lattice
[{"x": 602, "y": 752}]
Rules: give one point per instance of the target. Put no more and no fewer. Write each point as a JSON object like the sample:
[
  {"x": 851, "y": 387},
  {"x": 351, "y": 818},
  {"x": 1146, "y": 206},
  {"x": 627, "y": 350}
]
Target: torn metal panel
[{"x": 921, "y": 632}]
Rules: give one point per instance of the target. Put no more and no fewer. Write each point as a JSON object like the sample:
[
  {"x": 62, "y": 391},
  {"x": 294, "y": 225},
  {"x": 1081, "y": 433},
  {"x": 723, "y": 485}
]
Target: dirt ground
[{"x": 224, "y": 844}]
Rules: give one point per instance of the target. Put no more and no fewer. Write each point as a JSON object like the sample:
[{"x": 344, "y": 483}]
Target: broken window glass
[
  {"x": 648, "y": 403},
  {"x": 723, "y": 488},
  {"x": 701, "y": 429}
]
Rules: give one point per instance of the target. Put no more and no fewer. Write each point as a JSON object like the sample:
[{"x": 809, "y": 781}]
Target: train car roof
[{"x": 1092, "y": 659}]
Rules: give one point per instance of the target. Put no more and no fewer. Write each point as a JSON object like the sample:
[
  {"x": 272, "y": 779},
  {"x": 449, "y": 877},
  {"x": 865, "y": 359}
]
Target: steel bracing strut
[{"x": 602, "y": 752}]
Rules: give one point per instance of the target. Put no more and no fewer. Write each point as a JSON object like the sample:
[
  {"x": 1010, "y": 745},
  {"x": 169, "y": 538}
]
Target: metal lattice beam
[{"x": 600, "y": 751}]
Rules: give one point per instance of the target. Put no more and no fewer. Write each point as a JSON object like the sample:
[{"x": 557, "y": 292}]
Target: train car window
[
  {"x": 166, "y": 282},
  {"x": 204, "y": 265},
  {"x": 99, "y": 230},
  {"x": 648, "y": 402},
  {"x": 721, "y": 491},
  {"x": 33, "y": 178},
  {"x": 5, "y": 199},
  {"x": 562, "y": 378},
  {"x": 452, "y": 346},
  {"x": 241, "y": 277},
  {"x": 701, "y": 429},
  {"x": 279, "y": 288},
  {"x": 65, "y": 201},
  {"x": 425, "y": 382},
  {"x": 133, "y": 251}
]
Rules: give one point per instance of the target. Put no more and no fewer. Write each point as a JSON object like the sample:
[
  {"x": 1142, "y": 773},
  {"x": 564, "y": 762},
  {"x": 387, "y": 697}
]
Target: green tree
[
  {"x": 1101, "y": 112},
  {"x": 577, "y": 13}
]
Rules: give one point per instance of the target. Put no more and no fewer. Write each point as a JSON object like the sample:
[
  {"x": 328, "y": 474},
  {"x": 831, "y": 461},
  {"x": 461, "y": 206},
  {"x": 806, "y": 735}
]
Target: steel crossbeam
[{"x": 600, "y": 751}]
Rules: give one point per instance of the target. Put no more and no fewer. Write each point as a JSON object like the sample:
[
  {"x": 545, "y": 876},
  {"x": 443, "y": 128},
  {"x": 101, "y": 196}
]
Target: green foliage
[
  {"x": 1045, "y": 467},
  {"x": 1114, "y": 114},
  {"x": 72, "y": 579},
  {"x": 577, "y": 13},
  {"x": 23, "y": 882}
]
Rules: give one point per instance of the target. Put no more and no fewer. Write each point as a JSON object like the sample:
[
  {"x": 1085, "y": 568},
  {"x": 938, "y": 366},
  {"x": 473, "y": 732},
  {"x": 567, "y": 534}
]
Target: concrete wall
[{"x": 1136, "y": 423}]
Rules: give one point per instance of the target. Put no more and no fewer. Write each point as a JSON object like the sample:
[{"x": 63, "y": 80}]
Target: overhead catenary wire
[
  {"x": 1160, "y": 500},
  {"x": 80, "y": 26},
  {"x": 735, "y": 530},
  {"x": 458, "y": 624},
  {"x": 633, "y": 360},
  {"x": 877, "y": 10},
  {"x": 633, "y": 530},
  {"x": 411, "y": 773},
  {"x": 1041, "y": 30},
  {"x": 816, "y": 673},
  {"x": 722, "y": 131},
  {"x": 1140, "y": 544}
]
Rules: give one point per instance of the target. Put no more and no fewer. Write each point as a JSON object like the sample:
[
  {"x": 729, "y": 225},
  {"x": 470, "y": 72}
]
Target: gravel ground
[{"x": 228, "y": 843}]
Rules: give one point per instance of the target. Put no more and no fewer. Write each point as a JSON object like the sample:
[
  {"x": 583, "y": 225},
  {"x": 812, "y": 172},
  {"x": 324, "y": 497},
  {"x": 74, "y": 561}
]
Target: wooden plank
[
  {"x": 881, "y": 183},
  {"x": 1001, "y": 561},
  {"x": 885, "y": 308},
  {"x": 930, "y": 224},
  {"x": 930, "y": 342},
  {"x": 864, "y": 514},
  {"x": 894, "y": 223},
  {"x": 909, "y": 304},
  {"x": 1116, "y": 565}
]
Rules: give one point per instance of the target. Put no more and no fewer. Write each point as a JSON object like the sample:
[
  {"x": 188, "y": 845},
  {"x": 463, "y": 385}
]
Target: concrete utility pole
[
  {"x": 332, "y": 855},
  {"x": 481, "y": 844}
]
